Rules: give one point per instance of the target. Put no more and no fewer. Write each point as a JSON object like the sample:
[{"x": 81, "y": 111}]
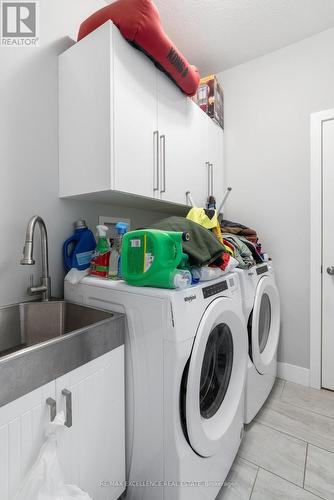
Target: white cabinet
[
  {"x": 124, "y": 127},
  {"x": 92, "y": 450},
  {"x": 205, "y": 156},
  {"x": 197, "y": 150},
  {"x": 22, "y": 425},
  {"x": 134, "y": 116},
  {"x": 172, "y": 127},
  {"x": 215, "y": 159},
  {"x": 107, "y": 117}
]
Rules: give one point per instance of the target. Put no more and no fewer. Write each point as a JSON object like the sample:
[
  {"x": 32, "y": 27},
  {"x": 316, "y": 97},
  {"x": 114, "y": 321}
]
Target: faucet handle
[{"x": 42, "y": 288}]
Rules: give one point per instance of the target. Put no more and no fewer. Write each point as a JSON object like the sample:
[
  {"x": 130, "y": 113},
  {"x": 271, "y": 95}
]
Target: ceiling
[{"x": 218, "y": 34}]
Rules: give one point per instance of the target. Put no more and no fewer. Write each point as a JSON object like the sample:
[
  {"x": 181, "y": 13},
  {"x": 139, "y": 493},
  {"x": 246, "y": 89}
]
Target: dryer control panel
[
  {"x": 261, "y": 270},
  {"x": 208, "y": 291}
]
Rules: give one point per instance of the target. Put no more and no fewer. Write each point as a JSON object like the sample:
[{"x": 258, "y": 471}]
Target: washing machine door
[
  {"x": 265, "y": 324},
  {"x": 216, "y": 375}
]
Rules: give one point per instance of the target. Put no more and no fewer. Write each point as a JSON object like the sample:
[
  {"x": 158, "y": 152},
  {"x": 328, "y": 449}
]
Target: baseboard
[{"x": 293, "y": 373}]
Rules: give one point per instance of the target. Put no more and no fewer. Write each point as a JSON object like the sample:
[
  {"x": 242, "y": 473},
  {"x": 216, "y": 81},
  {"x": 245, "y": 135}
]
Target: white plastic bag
[
  {"x": 232, "y": 264},
  {"x": 45, "y": 479},
  {"x": 206, "y": 273}
]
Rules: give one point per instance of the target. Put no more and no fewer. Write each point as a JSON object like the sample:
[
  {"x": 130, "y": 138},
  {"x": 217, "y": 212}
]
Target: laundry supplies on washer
[
  {"x": 205, "y": 247},
  {"x": 241, "y": 251},
  {"x": 257, "y": 256},
  {"x": 79, "y": 248},
  {"x": 238, "y": 229},
  {"x": 152, "y": 257},
  {"x": 243, "y": 242},
  {"x": 116, "y": 249},
  {"x": 202, "y": 247},
  {"x": 99, "y": 265},
  {"x": 207, "y": 218}
]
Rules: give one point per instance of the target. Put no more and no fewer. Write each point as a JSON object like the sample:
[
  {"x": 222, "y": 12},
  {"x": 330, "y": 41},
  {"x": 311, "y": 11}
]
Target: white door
[
  {"x": 135, "y": 120},
  {"x": 92, "y": 450},
  {"x": 197, "y": 153},
  {"x": 328, "y": 255},
  {"x": 172, "y": 126},
  {"x": 215, "y": 155},
  {"x": 22, "y": 426},
  {"x": 265, "y": 325},
  {"x": 216, "y": 376}
]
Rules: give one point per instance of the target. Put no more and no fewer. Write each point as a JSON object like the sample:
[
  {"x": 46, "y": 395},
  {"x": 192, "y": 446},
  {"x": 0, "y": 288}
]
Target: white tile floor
[{"x": 288, "y": 451}]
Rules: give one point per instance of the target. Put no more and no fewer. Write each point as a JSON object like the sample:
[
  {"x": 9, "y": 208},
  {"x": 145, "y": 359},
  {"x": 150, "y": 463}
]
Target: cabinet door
[
  {"x": 92, "y": 451},
  {"x": 215, "y": 155},
  {"x": 135, "y": 120},
  {"x": 172, "y": 126},
  {"x": 197, "y": 153},
  {"x": 22, "y": 425},
  {"x": 85, "y": 115}
]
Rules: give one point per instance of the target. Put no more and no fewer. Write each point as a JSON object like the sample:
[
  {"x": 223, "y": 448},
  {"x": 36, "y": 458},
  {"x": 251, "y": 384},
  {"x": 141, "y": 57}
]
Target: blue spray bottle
[{"x": 116, "y": 249}]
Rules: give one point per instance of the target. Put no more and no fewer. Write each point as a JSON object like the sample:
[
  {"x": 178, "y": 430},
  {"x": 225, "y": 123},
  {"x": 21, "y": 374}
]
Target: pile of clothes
[
  {"x": 214, "y": 247},
  {"x": 243, "y": 242}
]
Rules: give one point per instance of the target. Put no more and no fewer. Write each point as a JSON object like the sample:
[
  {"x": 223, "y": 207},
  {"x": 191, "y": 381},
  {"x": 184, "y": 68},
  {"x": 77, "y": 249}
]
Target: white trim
[
  {"x": 316, "y": 245},
  {"x": 293, "y": 373}
]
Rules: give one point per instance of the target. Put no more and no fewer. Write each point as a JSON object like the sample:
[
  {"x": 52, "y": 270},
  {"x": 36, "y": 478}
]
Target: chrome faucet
[{"x": 45, "y": 287}]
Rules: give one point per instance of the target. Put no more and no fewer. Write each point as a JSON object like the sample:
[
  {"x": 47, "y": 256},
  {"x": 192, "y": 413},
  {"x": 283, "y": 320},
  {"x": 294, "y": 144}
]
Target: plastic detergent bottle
[
  {"x": 115, "y": 254},
  {"x": 151, "y": 257},
  {"x": 99, "y": 265},
  {"x": 79, "y": 248},
  {"x": 121, "y": 228}
]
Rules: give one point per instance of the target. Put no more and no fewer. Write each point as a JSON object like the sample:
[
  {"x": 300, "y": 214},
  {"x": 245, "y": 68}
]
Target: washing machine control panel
[
  {"x": 208, "y": 291},
  {"x": 262, "y": 269}
]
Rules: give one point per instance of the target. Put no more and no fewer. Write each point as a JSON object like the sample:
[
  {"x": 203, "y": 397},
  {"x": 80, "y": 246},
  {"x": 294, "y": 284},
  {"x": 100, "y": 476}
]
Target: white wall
[
  {"x": 267, "y": 161},
  {"x": 29, "y": 150}
]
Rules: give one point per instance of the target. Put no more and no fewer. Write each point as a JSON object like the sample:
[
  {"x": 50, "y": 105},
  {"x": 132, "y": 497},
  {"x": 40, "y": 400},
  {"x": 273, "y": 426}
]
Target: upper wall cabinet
[{"x": 124, "y": 127}]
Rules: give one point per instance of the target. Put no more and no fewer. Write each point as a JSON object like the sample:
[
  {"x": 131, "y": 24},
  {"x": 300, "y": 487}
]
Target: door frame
[{"x": 316, "y": 242}]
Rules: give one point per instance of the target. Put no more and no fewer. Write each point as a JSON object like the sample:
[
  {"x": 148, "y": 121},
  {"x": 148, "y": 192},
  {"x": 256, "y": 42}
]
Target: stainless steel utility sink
[
  {"x": 29, "y": 323},
  {"x": 41, "y": 341}
]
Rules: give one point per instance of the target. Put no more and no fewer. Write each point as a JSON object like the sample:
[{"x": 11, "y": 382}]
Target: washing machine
[
  {"x": 261, "y": 306},
  {"x": 186, "y": 361}
]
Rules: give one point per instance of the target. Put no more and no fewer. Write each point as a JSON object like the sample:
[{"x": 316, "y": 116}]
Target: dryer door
[
  {"x": 216, "y": 376},
  {"x": 265, "y": 324}
]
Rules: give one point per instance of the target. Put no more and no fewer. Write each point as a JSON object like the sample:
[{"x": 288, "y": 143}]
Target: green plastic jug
[{"x": 150, "y": 257}]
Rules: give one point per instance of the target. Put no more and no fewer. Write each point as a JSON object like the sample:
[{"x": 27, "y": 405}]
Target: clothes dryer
[
  {"x": 186, "y": 360},
  {"x": 261, "y": 306}
]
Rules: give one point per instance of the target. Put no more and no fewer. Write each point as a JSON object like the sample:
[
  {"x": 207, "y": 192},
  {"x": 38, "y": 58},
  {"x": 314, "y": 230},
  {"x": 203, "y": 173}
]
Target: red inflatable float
[{"x": 139, "y": 22}]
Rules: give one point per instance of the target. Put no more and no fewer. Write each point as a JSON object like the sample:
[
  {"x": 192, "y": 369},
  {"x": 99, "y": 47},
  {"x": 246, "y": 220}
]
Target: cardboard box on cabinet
[{"x": 210, "y": 98}]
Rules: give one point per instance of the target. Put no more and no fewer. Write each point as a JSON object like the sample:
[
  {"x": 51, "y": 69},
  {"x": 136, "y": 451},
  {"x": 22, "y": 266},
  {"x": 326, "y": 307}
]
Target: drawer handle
[
  {"x": 53, "y": 408},
  {"x": 68, "y": 400}
]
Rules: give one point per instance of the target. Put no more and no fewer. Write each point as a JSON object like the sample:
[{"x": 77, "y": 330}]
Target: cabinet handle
[
  {"x": 207, "y": 164},
  {"x": 211, "y": 168},
  {"x": 68, "y": 400},
  {"x": 156, "y": 160},
  {"x": 53, "y": 408},
  {"x": 163, "y": 162}
]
